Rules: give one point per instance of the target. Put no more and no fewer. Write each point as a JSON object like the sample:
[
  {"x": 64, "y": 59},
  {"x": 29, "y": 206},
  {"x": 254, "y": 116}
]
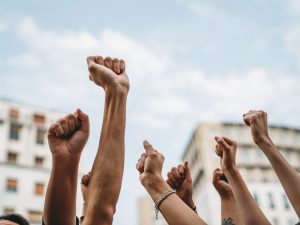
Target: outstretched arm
[
  {"x": 107, "y": 171},
  {"x": 66, "y": 140},
  {"x": 249, "y": 211},
  {"x": 288, "y": 177},
  {"x": 229, "y": 209},
  {"x": 174, "y": 210}
]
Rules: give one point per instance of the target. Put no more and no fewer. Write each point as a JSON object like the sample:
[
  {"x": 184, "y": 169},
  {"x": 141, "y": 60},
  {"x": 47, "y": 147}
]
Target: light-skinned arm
[
  {"x": 250, "y": 213},
  {"x": 173, "y": 209},
  {"x": 107, "y": 171},
  {"x": 66, "y": 138},
  {"x": 288, "y": 176},
  {"x": 229, "y": 210}
]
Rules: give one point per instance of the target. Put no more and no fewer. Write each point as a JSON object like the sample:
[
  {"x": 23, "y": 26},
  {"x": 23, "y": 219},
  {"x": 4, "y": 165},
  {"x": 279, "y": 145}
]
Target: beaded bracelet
[{"x": 161, "y": 199}]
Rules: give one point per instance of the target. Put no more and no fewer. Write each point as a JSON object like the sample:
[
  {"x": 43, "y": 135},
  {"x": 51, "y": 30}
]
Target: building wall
[
  {"x": 22, "y": 165},
  {"x": 254, "y": 166}
]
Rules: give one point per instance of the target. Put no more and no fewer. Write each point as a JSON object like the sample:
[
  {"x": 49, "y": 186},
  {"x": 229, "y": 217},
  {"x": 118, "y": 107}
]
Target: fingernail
[{"x": 216, "y": 138}]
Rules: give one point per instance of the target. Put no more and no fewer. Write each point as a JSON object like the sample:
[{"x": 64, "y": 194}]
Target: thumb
[
  {"x": 148, "y": 147},
  {"x": 187, "y": 171},
  {"x": 84, "y": 119}
]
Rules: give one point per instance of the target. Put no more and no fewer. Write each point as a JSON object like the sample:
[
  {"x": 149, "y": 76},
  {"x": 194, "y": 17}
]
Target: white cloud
[{"x": 294, "y": 6}]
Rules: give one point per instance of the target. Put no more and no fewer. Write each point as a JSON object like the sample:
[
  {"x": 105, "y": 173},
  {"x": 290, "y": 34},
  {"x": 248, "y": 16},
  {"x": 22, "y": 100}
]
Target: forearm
[
  {"x": 60, "y": 201},
  {"x": 229, "y": 209},
  {"x": 287, "y": 175},
  {"x": 108, "y": 166},
  {"x": 250, "y": 213},
  {"x": 174, "y": 210}
]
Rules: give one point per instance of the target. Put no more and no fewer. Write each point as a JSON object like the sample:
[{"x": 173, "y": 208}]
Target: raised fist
[
  {"x": 221, "y": 184},
  {"x": 85, "y": 180},
  {"x": 179, "y": 178},
  {"x": 150, "y": 164},
  {"x": 226, "y": 150},
  {"x": 69, "y": 135},
  {"x": 108, "y": 73},
  {"x": 258, "y": 122}
]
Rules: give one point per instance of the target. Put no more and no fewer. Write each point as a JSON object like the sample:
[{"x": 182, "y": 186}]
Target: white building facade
[
  {"x": 25, "y": 159},
  {"x": 252, "y": 163}
]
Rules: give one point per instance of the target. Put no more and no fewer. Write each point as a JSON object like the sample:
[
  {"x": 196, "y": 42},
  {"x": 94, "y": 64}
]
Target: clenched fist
[
  {"x": 226, "y": 150},
  {"x": 180, "y": 179},
  {"x": 108, "y": 73},
  {"x": 258, "y": 122},
  {"x": 69, "y": 135},
  {"x": 221, "y": 184}
]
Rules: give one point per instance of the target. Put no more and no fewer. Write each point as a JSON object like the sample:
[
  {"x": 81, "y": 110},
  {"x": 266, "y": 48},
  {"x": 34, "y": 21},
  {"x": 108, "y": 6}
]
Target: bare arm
[
  {"x": 107, "y": 171},
  {"x": 66, "y": 138},
  {"x": 174, "y": 210},
  {"x": 288, "y": 177},
  {"x": 229, "y": 209},
  {"x": 249, "y": 211}
]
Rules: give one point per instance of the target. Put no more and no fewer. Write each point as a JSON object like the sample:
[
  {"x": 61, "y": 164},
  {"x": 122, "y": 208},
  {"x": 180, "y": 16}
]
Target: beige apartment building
[
  {"x": 25, "y": 159},
  {"x": 254, "y": 166}
]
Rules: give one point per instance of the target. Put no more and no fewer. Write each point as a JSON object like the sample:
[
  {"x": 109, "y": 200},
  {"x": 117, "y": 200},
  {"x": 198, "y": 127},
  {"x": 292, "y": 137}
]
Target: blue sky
[{"x": 188, "y": 61}]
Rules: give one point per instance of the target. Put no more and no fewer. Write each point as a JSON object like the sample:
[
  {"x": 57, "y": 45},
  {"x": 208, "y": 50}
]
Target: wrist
[
  {"x": 155, "y": 185},
  {"x": 230, "y": 171},
  {"x": 66, "y": 159},
  {"x": 117, "y": 89},
  {"x": 265, "y": 144}
]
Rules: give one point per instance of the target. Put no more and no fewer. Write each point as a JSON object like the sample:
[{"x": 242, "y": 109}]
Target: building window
[
  {"x": 37, "y": 118},
  {"x": 271, "y": 201},
  {"x": 12, "y": 157},
  {"x": 39, "y": 189},
  {"x": 40, "y": 136},
  {"x": 11, "y": 185},
  {"x": 8, "y": 210},
  {"x": 39, "y": 161},
  {"x": 14, "y": 131},
  {"x": 14, "y": 113},
  {"x": 35, "y": 216}
]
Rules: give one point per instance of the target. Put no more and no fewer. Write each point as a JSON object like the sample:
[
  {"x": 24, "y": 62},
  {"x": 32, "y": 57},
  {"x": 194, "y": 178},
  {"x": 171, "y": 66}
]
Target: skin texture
[
  {"x": 66, "y": 138},
  {"x": 229, "y": 207},
  {"x": 289, "y": 178},
  {"x": 249, "y": 212},
  {"x": 174, "y": 210},
  {"x": 179, "y": 178},
  {"x": 107, "y": 171}
]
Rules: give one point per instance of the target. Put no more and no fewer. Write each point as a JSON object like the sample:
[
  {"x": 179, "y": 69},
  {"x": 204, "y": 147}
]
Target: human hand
[
  {"x": 221, "y": 184},
  {"x": 150, "y": 165},
  {"x": 85, "y": 180},
  {"x": 69, "y": 135},
  {"x": 108, "y": 73},
  {"x": 180, "y": 179},
  {"x": 258, "y": 122},
  {"x": 226, "y": 150}
]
